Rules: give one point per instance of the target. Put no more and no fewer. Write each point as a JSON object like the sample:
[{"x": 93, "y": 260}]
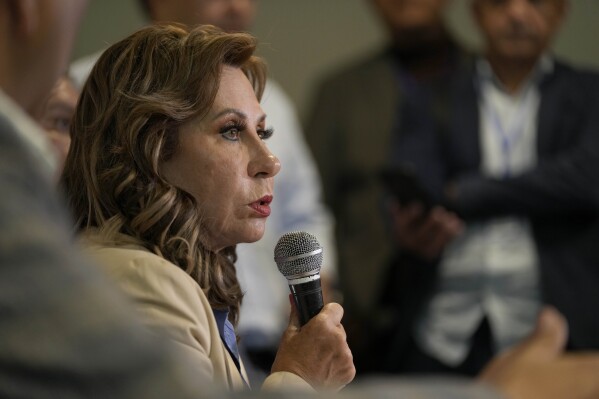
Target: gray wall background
[{"x": 304, "y": 39}]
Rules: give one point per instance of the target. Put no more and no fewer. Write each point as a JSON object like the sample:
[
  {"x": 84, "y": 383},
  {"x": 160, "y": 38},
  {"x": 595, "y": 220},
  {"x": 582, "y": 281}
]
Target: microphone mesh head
[{"x": 294, "y": 254}]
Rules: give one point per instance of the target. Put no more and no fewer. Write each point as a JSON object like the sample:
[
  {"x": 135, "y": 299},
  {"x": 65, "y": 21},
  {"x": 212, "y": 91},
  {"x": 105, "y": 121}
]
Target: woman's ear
[{"x": 25, "y": 15}]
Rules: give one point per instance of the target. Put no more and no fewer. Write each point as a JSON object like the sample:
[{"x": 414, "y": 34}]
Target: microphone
[{"x": 298, "y": 256}]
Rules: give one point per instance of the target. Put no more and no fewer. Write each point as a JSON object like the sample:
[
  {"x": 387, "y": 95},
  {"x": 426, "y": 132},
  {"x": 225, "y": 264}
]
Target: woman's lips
[{"x": 262, "y": 206}]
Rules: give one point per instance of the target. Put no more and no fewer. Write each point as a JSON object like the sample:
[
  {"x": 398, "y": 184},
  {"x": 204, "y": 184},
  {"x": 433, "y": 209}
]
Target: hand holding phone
[
  {"x": 406, "y": 187},
  {"x": 424, "y": 232}
]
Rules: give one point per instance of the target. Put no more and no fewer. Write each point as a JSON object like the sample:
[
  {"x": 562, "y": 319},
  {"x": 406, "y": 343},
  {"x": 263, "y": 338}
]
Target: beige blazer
[{"x": 173, "y": 305}]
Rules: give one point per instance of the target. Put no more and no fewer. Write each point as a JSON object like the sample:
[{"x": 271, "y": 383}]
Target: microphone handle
[{"x": 308, "y": 299}]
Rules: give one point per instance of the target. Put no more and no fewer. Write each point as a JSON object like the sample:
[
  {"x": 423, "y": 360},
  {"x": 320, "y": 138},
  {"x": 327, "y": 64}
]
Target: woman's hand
[{"x": 318, "y": 351}]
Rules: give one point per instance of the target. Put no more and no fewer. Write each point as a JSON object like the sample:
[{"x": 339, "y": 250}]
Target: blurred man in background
[
  {"x": 385, "y": 111},
  {"x": 64, "y": 330},
  {"x": 521, "y": 156}
]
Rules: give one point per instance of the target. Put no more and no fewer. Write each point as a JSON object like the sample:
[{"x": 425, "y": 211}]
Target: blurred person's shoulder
[
  {"x": 581, "y": 74},
  {"x": 366, "y": 66},
  {"x": 577, "y": 86}
]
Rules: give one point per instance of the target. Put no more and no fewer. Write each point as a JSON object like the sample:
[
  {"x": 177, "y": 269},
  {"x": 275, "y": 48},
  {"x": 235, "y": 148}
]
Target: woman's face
[{"x": 223, "y": 161}]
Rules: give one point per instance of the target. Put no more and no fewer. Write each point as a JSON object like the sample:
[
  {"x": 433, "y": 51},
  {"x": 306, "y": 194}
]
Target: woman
[{"x": 168, "y": 171}]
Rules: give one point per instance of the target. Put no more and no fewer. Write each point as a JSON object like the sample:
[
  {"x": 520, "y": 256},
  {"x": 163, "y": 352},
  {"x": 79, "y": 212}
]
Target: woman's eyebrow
[
  {"x": 237, "y": 112},
  {"x": 228, "y": 111}
]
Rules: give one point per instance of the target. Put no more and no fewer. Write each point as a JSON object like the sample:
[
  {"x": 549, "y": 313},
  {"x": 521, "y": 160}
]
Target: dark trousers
[{"x": 415, "y": 361}]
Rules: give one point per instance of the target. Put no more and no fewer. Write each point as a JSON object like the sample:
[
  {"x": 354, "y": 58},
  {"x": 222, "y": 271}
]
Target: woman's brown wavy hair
[{"x": 140, "y": 92}]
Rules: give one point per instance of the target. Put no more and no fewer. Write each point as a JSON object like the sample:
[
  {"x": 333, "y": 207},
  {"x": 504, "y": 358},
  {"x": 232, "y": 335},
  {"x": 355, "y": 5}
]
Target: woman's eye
[
  {"x": 231, "y": 134},
  {"x": 265, "y": 134}
]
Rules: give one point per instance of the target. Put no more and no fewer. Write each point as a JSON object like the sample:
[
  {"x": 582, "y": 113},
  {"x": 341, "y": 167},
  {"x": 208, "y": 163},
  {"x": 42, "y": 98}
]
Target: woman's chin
[
  {"x": 254, "y": 235},
  {"x": 241, "y": 234},
  {"x": 253, "y": 238}
]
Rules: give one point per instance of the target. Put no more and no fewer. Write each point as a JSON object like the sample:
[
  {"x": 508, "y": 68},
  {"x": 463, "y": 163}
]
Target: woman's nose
[{"x": 263, "y": 163}]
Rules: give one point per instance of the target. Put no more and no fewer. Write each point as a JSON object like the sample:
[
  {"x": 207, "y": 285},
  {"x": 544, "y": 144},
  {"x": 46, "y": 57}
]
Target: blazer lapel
[
  {"x": 550, "y": 112},
  {"x": 464, "y": 141}
]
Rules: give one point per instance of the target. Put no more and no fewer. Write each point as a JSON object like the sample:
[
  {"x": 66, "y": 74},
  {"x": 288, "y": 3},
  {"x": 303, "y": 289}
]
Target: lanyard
[{"x": 509, "y": 133}]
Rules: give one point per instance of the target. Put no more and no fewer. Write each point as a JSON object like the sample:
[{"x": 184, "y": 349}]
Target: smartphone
[{"x": 406, "y": 187}]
